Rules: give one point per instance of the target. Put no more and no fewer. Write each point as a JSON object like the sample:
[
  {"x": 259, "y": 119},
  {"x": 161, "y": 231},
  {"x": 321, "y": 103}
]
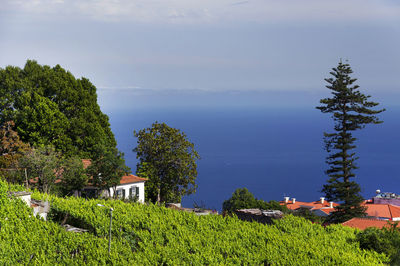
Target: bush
[
  {"x": 386, "y": 240},
  {"x": 244, "y": 199}
]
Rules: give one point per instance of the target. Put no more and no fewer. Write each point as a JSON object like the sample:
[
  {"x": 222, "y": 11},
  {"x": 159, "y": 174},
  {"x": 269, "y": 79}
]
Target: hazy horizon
[{"x": 174, "y": 51}]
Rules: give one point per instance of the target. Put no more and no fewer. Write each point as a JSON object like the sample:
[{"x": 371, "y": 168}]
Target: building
[
  {"x": 386, "y": 198},
  {"x": 320, "y": 207},
  {"x": 382, "y": 211},
  {"x": 130, "y": 187},
  {"x": 364, "y": 223}
]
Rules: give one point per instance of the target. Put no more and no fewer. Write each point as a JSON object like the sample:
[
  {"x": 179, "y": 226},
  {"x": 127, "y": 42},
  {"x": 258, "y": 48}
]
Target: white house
[{"x": 131, "y": 186}]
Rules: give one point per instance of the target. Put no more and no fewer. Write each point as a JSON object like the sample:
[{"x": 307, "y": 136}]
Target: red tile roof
[
  {"x": 364, "y": 223},
  {"x": 314, "y": 205},
  {"x": 86, "y": 163},
  {"x": 382, "y": 210},
  {"x": 132, "y": 179}
]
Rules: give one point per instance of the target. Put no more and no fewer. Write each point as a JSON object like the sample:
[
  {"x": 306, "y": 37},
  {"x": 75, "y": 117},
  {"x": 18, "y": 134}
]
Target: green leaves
[
  {"x": 244, "y": 199},
  {"x": 51, "y": 107},
  {"x": 43, "y": 164},
  {"x": 160, "y": 235},
  {"x": 168, "y": 159},
  {"x": 350, "y": 111},
  {"x": 107, "y": 167}
]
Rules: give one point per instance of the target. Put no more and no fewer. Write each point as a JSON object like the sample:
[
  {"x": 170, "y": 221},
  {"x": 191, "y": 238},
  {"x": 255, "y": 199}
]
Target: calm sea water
[{"x": 272, "y": 152}]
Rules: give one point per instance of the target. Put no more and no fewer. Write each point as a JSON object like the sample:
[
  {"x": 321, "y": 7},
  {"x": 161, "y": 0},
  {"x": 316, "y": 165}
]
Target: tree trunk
[{"x": 158, "y": 195}]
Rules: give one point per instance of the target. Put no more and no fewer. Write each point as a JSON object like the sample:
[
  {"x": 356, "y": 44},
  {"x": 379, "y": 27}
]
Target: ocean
[{"x": 274, "y": 152}]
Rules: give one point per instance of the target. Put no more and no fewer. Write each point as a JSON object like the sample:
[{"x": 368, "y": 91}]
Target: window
[
  {"x": 120, "y": 193},
  {"x": 134, "y": 192}
]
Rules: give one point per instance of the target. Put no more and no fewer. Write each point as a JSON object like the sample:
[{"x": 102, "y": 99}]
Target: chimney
[
  {"x": 293, "y": 200},
  {"x": 331, "y": 204},
  {"x": 322, "y": 200},
  {"x": 286, "y": 199}
]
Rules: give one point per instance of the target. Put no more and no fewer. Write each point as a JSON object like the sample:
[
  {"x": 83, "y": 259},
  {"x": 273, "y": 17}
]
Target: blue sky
[{"x": 145, "y": 53}]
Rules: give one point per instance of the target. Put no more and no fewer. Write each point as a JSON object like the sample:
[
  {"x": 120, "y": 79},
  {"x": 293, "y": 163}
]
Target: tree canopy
[
  {"x": 43, "y": 164},
  {"x": 12, "y": 149},
  {"x": 107, "y": 167},
  {"x": 51, "y": 107},
  {"x": 168, "y": 159},
  {"x": 242, "y": 198},
  {"x": 351, "y": 110},
  {"x": 73, "y": 177}
]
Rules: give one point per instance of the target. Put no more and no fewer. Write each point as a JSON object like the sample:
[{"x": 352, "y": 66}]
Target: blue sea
[{"x": 274, "y": 152}]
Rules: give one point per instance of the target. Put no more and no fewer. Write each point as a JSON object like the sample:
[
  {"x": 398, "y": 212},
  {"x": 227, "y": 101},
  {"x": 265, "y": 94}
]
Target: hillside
[{"x": 150, "y": 235}]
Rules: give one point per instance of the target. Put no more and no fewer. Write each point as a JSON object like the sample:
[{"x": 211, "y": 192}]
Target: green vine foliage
[{"x": 154, "y": 235}]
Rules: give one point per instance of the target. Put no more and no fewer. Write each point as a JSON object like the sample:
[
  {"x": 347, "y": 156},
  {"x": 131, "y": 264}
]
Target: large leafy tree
[
  {"x": 43, "y": 164},
  {"x": 351, "y": 110},
  {"x": 11, "y": 150},
  {"x": 51, "y": 107},
  {"x": 107, "y": 167},
  {"x": 168, "y": 159},
  {"x": 73, "y": 176},
  {"x": 242, "y": 198}
]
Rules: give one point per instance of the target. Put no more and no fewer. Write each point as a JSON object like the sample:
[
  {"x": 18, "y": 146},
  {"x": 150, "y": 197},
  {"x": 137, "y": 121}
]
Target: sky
[{"x": 166, "y": 53}]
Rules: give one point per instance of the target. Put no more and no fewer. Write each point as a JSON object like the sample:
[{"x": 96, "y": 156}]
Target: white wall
[{"x": 126, "y": 187}]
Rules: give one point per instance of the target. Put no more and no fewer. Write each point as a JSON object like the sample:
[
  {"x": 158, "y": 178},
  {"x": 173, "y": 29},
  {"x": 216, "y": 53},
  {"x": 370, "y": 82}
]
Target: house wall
[
  {"x": 27, "y": 199},
  {"x": 395, "y": 202},
  {"x": 126, "y": 187}
]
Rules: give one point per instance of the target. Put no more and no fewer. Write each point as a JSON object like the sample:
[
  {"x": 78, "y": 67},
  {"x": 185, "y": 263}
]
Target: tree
[
  {"x": 73, "y": 176},
  {"x": 242, "y": 198},
  {"x": 351, "y": 110},
  {"x": 43, "y": 164},
  {"x": 107, "y": 167},
  {"x": 51, "y": 107},
  {"x": 168, "y": 159},
  {"x": 11, "y": 150}
]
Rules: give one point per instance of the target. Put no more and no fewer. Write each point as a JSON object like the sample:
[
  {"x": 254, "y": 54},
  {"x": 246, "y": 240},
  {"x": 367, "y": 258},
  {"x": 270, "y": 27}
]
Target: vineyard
[{"x": 152, "y": 235}]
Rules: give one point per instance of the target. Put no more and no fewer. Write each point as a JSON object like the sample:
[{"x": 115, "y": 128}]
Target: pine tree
[{"x": 351, "y": 110}]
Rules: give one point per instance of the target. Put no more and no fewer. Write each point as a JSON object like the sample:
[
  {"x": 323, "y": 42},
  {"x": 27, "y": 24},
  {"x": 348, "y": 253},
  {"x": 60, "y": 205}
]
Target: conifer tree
[{"x": 351, "y": 110}]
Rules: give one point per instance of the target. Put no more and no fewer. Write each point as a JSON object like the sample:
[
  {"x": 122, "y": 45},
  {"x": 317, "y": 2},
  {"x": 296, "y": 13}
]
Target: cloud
[{"x": 211, "y": 11}]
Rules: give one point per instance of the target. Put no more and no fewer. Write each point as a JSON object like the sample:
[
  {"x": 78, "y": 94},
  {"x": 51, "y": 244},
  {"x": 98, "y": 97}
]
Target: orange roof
[
  {"x": 86, "y": 163},
  {"x": 382, "y": 210},
  {"x": 127, "y": 179},
  {"x": 364, "y": 223},
  {"x": 314, "y": 205}
]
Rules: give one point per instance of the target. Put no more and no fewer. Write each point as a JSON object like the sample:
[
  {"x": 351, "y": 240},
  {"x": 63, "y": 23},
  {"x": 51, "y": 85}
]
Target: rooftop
[
  {"x": 314, "y": 205},
  {"x": 132, "y": 179},
  {"x": 364, "y": 223},
  {"x": 388, "y": 211}
]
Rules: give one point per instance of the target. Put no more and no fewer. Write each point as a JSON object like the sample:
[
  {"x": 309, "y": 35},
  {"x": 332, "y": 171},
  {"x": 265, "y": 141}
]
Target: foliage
[
  {"x": 385, "y": 240},
  {"x": 146, "y": 170},
  {"x": 163, "y": 236},
  {"x": 351, "y": 110},
  {"x": 309, "y": 215},
  {"x": 28, "y": 240},
  {"x": 107, "y": 167},
  {"x": 11, "y": 150},
  {"x": 244, "y": 199},
  {"x": 43, "y": 164},
  {"x": 168, "y": 159},
  {"x": 51, "y": 107},
  {"x": 73, "y": 175}
]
